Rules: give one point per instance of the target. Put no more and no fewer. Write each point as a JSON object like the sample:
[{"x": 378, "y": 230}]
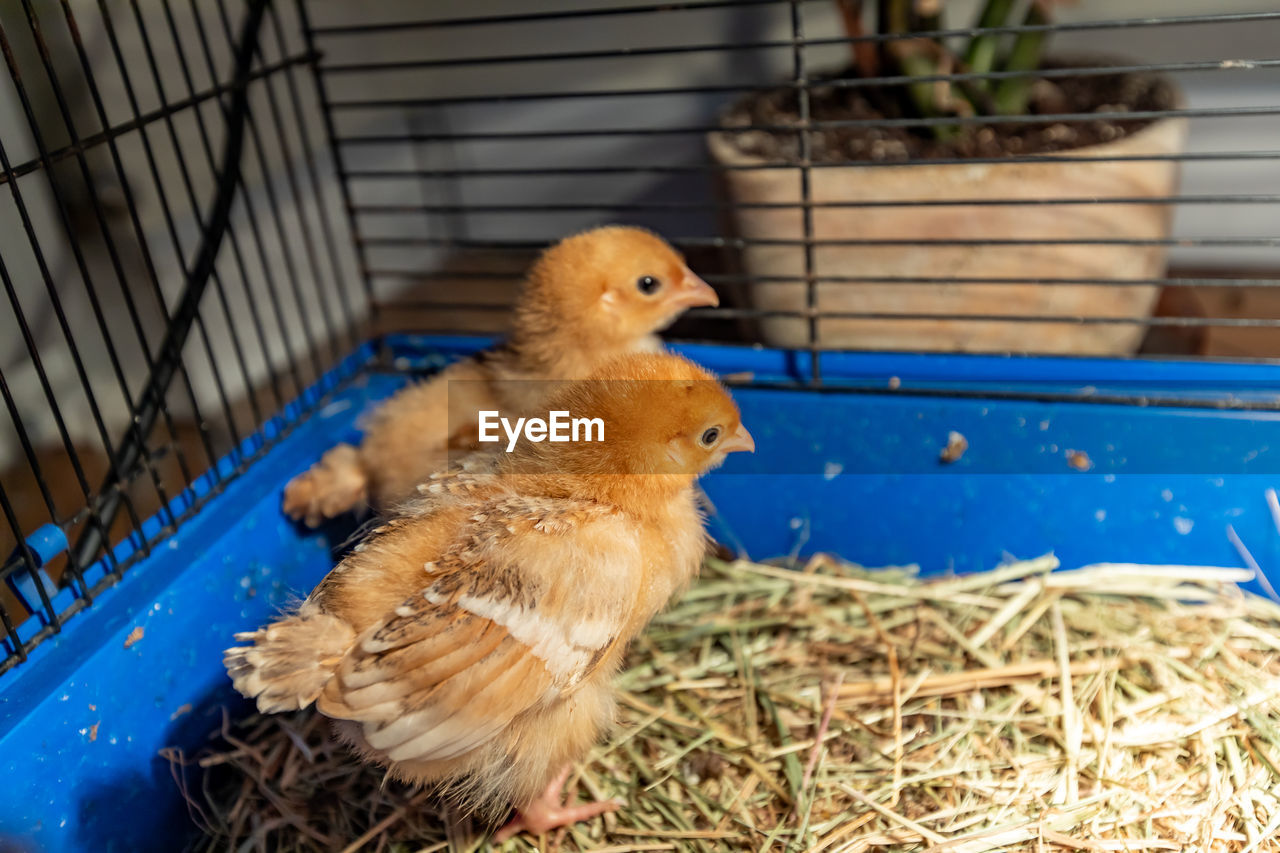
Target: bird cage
[{"x": 232, "y": 227}]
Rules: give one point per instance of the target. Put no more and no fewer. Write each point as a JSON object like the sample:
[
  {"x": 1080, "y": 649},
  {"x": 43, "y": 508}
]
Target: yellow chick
[
  {"x": 589, "y": 298},
  {"x": 470, "y": 643}
]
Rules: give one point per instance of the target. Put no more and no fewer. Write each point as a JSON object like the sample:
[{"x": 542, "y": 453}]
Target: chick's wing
[{"x": 519, "y": 611}]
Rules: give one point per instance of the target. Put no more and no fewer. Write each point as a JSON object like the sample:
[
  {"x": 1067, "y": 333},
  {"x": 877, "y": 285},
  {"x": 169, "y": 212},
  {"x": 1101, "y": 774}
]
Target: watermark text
[{"x": 558, "y": 426}]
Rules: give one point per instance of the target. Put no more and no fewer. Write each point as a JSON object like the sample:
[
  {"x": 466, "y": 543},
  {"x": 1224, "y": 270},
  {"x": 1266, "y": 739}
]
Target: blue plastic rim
[{"x": 855, "y": 473}]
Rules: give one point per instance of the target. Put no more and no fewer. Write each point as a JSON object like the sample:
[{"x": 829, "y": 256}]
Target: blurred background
[{"x": 457, "y": 166}]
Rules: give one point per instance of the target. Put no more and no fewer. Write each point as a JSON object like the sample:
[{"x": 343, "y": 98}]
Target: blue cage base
[{"x": 852, "y": 469}]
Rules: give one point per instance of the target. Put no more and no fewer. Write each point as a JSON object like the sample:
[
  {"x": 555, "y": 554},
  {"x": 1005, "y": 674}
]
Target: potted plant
[{"x": 920, "y": 121}]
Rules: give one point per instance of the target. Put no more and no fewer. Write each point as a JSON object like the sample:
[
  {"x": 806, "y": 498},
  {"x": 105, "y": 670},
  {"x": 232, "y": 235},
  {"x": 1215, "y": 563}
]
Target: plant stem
[
  {"x": 893, "y": 18},
  {"x": 981, "y": 55},
  {"x": 926, "y": 16},
  {"x": 865, "y": 54},
  {"x": 915, "y": 63},
  {"x": 884, "y": 60},
  {"x": 1013, "y": 93},
  {"x": 897, "y": 16},
  {"x": 909, "y": 56}
]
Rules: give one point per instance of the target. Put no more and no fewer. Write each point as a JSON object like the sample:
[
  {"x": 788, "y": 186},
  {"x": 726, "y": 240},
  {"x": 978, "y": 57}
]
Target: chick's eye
[
  {"x": 710, "y": 437},
  {"x": 647, "y": 284}
]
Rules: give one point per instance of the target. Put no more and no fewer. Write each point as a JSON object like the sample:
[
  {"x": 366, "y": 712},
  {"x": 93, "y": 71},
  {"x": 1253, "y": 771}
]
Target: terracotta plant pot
[{"x": 983, "y": 265}]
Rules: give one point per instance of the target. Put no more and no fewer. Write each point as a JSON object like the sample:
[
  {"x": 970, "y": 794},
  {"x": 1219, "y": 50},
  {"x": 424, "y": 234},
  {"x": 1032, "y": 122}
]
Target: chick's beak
[
  {"x": 692, "y": 292},
  {"x": 740, "y": 440}
]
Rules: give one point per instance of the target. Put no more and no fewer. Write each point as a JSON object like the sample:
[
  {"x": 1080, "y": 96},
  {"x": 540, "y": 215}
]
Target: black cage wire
[{"x": 208, "y": 203}]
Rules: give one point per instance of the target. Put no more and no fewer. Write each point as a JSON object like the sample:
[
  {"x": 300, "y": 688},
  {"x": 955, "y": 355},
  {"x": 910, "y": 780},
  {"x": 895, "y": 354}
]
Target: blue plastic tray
[{"x": 853, "y": 470}]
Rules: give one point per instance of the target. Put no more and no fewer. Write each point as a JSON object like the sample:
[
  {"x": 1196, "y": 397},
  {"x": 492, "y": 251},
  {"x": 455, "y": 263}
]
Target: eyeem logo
[{"x": 558, "y": 426}]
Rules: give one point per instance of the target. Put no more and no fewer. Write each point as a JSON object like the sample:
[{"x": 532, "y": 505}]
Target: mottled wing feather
[
  {"x": 454, "y": 665},
  {"x": 363, "y": 673},
  {"x": 463, "y": 476}
]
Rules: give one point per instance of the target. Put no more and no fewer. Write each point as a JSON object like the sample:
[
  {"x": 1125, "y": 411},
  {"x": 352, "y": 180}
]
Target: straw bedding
[{"x": 839, "y": 709}]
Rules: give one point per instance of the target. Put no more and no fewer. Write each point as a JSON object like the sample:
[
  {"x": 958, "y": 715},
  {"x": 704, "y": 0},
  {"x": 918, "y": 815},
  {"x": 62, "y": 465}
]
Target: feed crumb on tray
[
  {"x": 1079, "y": 460},
  {"x": 957, "y": 444}
]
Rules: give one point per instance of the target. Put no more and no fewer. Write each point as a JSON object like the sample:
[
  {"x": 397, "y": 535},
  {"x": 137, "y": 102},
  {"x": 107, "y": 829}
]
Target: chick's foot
[
  {"x": 334, "y": 485},
  {"x": 549, "y": 812}
]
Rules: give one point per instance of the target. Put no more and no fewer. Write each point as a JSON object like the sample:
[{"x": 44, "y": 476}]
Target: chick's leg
[{"x": 549, "y": 811}]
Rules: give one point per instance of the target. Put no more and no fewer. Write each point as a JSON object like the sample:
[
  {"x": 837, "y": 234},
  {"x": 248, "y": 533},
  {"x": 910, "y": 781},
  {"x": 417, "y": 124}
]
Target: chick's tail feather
[{"x": 286, "y": 665}]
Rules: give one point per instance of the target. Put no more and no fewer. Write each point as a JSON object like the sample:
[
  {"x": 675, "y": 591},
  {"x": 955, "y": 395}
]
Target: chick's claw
[{"x": 548, "y": 812}]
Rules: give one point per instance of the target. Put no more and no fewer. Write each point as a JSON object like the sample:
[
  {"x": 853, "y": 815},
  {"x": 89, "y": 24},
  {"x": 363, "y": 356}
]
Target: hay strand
[{"x": 1107, "y": 708}]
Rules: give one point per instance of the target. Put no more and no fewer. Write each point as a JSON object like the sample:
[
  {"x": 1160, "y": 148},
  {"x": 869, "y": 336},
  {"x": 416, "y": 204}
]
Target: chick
[
  {"x": 471, "y": 642},
  {"x": 587, "y": 299}
]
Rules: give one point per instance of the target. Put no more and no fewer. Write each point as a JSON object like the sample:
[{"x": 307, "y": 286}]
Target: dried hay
[{"x": 834, "y": 709}]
